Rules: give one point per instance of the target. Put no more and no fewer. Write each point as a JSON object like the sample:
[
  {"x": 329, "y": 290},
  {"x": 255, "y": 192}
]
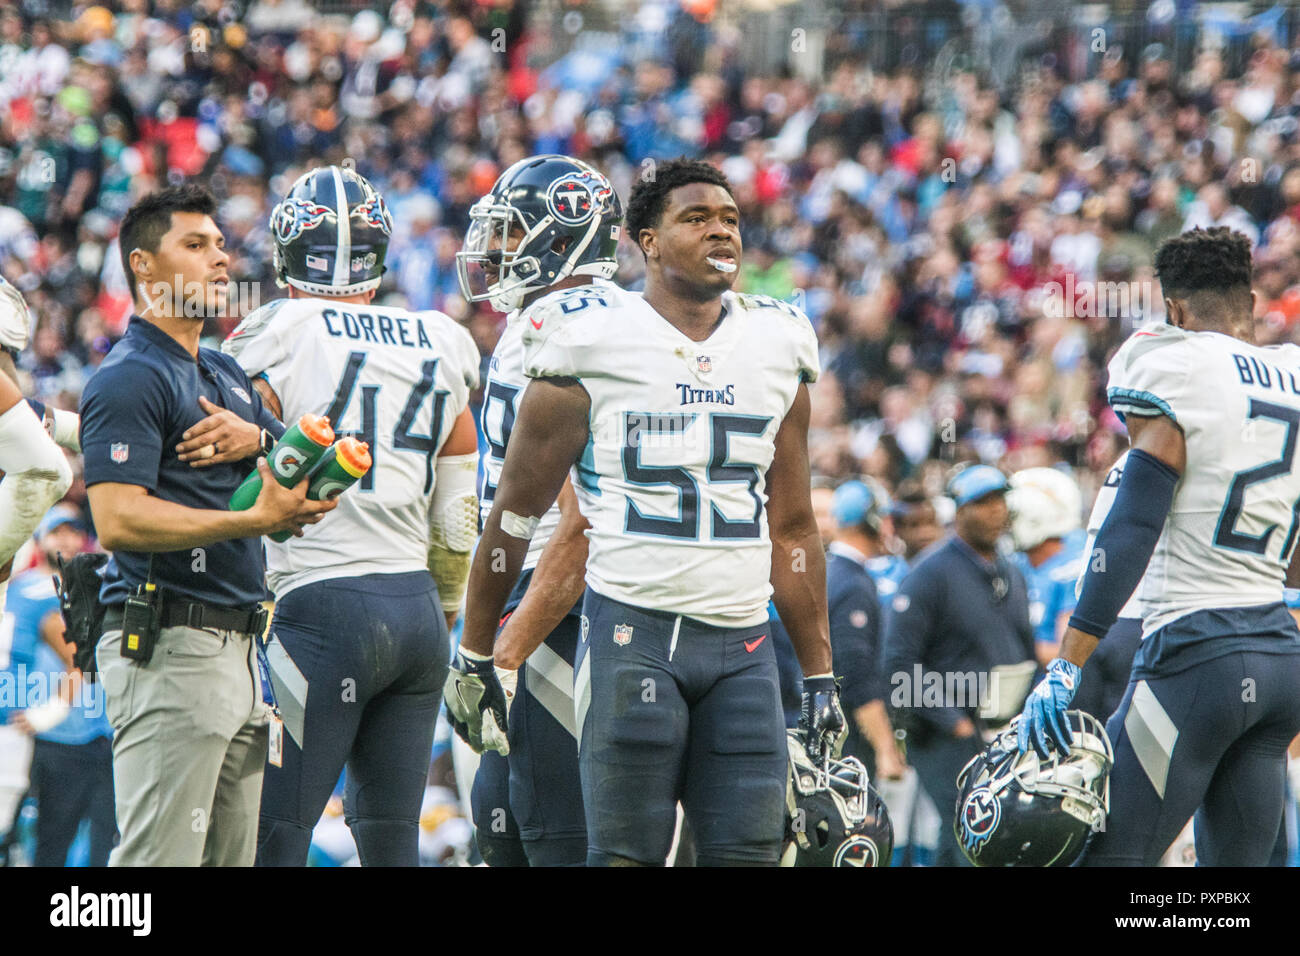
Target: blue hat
[
  {"x": 57, "y": 517},
  {"x": 854, "y": 503},
  {"x": 971, "y": 484}
]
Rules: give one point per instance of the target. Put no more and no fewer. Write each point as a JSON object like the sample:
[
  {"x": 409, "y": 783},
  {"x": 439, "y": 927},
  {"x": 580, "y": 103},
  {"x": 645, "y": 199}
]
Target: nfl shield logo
[
  {"x": 119, "y": 452},
  {"x": 704, "y": 363},
  {"x": 623, "y": 634}
]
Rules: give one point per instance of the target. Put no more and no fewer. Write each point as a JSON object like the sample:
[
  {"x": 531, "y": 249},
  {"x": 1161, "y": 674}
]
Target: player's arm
[
  {"x": 557, "y": 583},
  {"x": 549, "y": 434},
  {"x": 798, "y": 562},
  {"x": 799, "y": 579},
  {"x": 453, "y": 514},
  {"x": 1125, "y": 542},
  {"x": 269, "y": 398},
  {"x": 36, "y": 472}
]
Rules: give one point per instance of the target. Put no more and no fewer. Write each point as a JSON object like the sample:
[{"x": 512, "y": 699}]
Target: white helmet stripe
[{"x": 343, "y": 234}]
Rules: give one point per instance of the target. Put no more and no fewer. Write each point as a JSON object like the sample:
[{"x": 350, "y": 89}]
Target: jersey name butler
[
  {"x": 1234, "y": 520},
  {"x": 676, "y": 497}
]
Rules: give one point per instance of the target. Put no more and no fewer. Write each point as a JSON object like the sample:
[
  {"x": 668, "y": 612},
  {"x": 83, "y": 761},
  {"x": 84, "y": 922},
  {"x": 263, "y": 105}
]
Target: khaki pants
[{"x": 189, "y": 748}]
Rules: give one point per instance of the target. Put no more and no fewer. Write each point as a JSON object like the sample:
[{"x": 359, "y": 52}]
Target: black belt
[{"x": 194, "y": 614}]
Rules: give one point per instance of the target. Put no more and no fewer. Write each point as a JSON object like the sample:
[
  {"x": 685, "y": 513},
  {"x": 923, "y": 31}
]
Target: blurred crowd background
[
  {"x": 915, "y": 176},
  {"x": 965, "y": 198}
]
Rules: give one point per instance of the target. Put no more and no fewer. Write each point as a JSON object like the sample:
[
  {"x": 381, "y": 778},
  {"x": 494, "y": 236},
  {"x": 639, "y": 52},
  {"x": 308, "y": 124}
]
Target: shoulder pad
[
  {"x": 1148, "y": 339},
  {"x": 253, "y": 325},
  {"x": 559, "y": 306}
]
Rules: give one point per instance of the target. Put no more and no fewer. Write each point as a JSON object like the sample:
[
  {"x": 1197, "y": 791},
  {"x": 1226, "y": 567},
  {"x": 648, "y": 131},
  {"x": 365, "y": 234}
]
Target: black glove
[
  {"x": 478, "y": 696},
  {"x": 822, "y": 719}
]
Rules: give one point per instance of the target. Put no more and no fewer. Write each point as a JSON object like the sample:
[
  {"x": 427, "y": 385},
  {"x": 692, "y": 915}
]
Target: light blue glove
[{"x": 1045, "y": 709}]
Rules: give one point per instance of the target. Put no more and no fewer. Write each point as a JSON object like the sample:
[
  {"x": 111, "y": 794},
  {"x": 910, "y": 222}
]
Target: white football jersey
[
  {"x": 1100, "y": 508},
  {"x": 673, "y": 476},
  {"x": 505, "y": 385},
  {"x": 394, "y": 379},
  {"x": 1232, "y": 527}
]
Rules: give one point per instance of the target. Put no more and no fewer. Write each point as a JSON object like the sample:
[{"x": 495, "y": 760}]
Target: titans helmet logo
[
  {"x": 980, "y": 815},
  {"x": 374, "y": 213},
  {"x": 857, "y": 851},
  {"x": 575, "y": 197},
  {"x": 295, "y": 216}
]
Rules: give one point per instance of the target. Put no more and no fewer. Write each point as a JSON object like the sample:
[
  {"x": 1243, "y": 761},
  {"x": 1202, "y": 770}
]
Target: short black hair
[
  {"x": 1211, "y": 270},
  {"x": 148, "y": 220},
  {"x": 645, "y": 207}
]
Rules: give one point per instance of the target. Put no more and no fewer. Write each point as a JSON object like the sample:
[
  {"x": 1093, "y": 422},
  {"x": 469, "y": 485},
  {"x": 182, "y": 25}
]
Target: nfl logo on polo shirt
[
  {"x": 119, "y": 451},
  {"x": 623, "y": 634},
  {"x": 704, "y": 363}
]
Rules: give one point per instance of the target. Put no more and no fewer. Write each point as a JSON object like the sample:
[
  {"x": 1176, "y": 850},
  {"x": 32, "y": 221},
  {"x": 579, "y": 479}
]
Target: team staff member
[
  {"x": 961, "y": 614},
  {"x": 854, "y": 610},
  {"x": 189, "y": 740}
]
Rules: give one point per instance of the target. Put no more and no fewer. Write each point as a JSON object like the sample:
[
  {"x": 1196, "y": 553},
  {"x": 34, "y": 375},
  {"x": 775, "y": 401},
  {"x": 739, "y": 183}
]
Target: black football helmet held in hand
[
  {"x": 1017, "y": 809},
  {"x": 321, "y": 252},
  {"x": 565, "y": 218},
  {"x": 834, "y": 817}
]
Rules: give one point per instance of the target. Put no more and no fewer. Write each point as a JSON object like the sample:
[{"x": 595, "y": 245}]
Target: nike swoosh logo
[{"x": 752, "y": 646}]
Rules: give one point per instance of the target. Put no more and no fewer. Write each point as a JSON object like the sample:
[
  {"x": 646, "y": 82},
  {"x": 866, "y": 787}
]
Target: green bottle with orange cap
[
  {"x": 292, "y": 457},
  {"x": 343, "y": 463}
]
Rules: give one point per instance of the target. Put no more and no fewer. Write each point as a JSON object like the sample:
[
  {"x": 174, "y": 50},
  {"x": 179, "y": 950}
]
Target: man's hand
[
  {"x": 478, "y": 696},
  {"x": 890, "y": 763},
  {"x": 1045, "y": 709},
  {"x": 221, "y": 437},
  {"x": 822, "y": 719},
  {"x": 278, "y": 508}
]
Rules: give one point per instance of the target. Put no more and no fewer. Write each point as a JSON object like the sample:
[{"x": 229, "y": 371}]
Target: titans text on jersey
[{"x": 676, "y": 498}]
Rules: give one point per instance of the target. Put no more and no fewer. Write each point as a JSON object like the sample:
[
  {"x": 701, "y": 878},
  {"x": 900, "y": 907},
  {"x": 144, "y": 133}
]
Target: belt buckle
[
  {"x": 258, "y": 622},
  {"x": 194, "y": 616}
]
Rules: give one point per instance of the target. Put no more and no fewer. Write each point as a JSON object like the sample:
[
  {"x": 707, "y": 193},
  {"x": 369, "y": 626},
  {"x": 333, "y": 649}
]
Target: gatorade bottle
[
  {"x": 338, "y": 469},
  {"x": 297, "y": 451}
]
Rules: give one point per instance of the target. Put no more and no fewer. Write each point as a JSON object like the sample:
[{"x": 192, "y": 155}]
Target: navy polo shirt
[
  {"x": 854, "y": 611},
  {"x": 956, "y": 613},
  {"x": 134, "y": 410}
]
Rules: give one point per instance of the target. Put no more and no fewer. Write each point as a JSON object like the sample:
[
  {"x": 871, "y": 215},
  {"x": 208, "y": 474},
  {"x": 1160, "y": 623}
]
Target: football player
[
  {"x": 1045, "y": 510},
  {"x": 35, "y": 472},
  {"x": 549, "y": 223},
  {"x": 358, "y": 647},
  {"x": 685, "y": 412},
  {"x": 1209, "y": 498}
]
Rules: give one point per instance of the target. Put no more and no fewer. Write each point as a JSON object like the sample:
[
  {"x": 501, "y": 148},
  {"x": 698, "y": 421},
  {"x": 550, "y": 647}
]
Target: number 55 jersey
[
  {"x": 394, "y": 379},
  {"x": 673, "y": 479},
  {"x": 1232, "y": 527}
]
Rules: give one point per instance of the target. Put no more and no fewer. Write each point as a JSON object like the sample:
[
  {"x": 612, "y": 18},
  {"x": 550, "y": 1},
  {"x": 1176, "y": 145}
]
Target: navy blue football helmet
[
  {"x": 834, "y": 817},
  {"x": 322, "y": 253},
  {"x": 546, "y": 218},
  {"x": 1017, "y": 809}
]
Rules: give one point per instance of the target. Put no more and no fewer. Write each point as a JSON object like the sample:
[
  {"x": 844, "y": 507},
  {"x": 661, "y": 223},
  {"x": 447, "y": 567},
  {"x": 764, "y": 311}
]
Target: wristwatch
[{"x": 268, "y": 442}]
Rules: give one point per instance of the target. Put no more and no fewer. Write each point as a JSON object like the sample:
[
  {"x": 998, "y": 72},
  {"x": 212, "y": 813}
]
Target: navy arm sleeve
[
  {"x": 123, "y": 425},
  {"x": 1126, "y": 540}
]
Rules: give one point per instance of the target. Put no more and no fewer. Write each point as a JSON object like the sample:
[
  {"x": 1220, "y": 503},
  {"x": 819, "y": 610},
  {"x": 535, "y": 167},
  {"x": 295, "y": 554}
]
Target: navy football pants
[
  {"x": 358, "y": 666},
  {"x": 528, "y": 806},
  {"x": 673, "y": 710},
  {"x": 1213, "y": 736}
]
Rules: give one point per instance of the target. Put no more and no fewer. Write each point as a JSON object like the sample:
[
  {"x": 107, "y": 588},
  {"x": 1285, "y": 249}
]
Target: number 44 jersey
[
  {"x": 681, "y": 435},
  {"x": 1233, "y": 523},
  {"x": 394, "y": 379}
]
